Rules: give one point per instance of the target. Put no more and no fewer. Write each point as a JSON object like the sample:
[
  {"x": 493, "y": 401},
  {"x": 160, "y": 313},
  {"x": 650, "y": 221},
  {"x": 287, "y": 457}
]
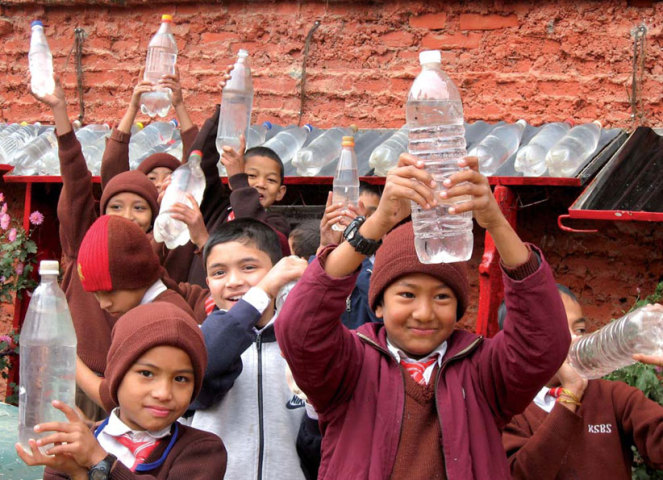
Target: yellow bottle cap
[
  {"x": 348, "y": 142},
  {"x": 140, "y": 125},
  {"x": 166, "y": 18}
]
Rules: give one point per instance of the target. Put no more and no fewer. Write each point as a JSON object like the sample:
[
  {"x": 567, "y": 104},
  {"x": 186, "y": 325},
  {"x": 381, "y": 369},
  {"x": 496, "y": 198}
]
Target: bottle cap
[
  {"x": 267, "y": 125},
  {"x": 175, "y": 122},
  {"x": 243, "y": 53},
  {"x": 196, "y": 153},
  {"x": 308, "y": 127},
  {"x": 598, "y": 122},
  {"x": 570, "y": 122},
  {"x": 430, "y": 56},
  {"x": 49, "y": 267},
  {"x": 348, "y": 142},
  {"x": 36, "y": 23},
  {"x": 354, "y": 128},
  {"x": 166, "y": 18},
  {"x": 140, "y": 125}
]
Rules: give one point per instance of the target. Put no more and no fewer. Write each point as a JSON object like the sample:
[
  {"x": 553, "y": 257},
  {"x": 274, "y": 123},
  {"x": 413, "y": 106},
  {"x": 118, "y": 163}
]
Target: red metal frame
[
  {"x": 40, "y": 179},
  {"x": 616, "y": 215}
]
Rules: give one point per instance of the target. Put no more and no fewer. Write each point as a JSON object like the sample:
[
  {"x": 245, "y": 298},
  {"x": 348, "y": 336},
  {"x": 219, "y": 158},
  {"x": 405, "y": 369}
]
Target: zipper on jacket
[{"x": 261, "y": 426}]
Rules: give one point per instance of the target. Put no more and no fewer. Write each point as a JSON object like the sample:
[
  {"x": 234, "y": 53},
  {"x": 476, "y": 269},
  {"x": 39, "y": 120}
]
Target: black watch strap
[
  {"x": 363, "y": 245},
  {"x": 101, "y": 471}
]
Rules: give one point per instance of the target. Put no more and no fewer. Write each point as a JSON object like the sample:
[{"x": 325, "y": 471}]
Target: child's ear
[
  {"x": 281, "y": 193},
  {"x": 379, "y": 311}
]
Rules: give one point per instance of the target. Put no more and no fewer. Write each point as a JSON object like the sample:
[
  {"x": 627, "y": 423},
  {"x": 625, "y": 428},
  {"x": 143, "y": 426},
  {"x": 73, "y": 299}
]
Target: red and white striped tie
[
  {"x": 417, "y": 369},
  {"x": 140, "y": 450}
]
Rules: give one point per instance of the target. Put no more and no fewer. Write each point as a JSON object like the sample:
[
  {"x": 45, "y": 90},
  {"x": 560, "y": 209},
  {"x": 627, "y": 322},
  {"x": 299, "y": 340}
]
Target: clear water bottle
[
  {"x": 29, "y": 160},
  {"x": 434, "y": 114},
  {"x": 612, "y": 346},
  {"x": 236, "y": 103},
  {"x": 283, "y": 294},
  {"x": 156, "y": 133},
  {"x": 257, "y": 134},
  {"x": 161, "y": 60},
  {"x": 385, "y": 156},
  {"x": 188, "y": 178},
  {"x": 346, "y": 180},
  {"x": 531, "y": 158},
  {"x": 320, "y": 152},
  {"x": 287, "y": 142},
  {"x": 48, "y": 357},
  {"x": 571, "y": 152},
  {"x": 41, "y": 61},
  {"x": 13, "y": 139},
  {"x": 496, "y": 148}
]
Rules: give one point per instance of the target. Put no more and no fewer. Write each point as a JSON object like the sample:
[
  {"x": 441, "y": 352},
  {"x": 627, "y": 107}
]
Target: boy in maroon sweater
[
  {"x": 155, "y": 369},
  {"x": 416, "y": 398},
  {"x": 583, "y": 429}
]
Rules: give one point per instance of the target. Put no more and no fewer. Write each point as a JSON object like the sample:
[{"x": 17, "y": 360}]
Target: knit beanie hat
[
  {"x": 155, "y": 160},
  {"x": 115, "y": 254},
  {"x": 145, "y": 327},
  {"x": 397, "y": 257},
  {"x": 132, "y": 182}
]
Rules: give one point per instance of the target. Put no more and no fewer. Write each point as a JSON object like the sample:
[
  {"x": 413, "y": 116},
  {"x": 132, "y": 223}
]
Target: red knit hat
[
  {"x": 132, "y": 182},
  {"x": 145, "y": 327},
  {"x": 115, "y": 254},
  {"x": 155, "y": 160},
  {"x": 397, "y": 257}
]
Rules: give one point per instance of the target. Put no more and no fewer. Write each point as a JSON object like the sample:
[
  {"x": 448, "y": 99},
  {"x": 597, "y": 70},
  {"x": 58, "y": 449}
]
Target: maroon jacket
[
  {"x": 194, "y": 455},
  {"x": 593, "y": 443},
  {"x": 357, "y": 387}
]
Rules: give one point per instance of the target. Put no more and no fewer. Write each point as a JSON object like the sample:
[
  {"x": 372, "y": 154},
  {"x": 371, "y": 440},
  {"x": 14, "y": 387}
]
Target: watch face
[{"x": 99, "y": 475}]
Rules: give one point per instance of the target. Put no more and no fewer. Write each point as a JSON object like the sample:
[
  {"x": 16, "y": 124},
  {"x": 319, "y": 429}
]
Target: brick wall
[{"x": 542, "y": 62}]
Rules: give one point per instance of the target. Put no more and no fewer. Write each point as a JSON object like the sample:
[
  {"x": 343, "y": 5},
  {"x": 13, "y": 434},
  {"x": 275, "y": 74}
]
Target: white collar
[
  {"x": 399, "y": 355},
  {"x": 156, "y": 289},
  {"x": 544, "y": 401},
  {"x": 116, "y": 427}
]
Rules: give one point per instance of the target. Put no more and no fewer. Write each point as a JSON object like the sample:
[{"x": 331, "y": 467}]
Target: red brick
[
  {"x": 398, "y": 39},
  {"x": 219, "y": 37},
  {"x": 456, "y": 40},
  {"x": 431, "y": 21},
  {"x": 471, "y": 21}
]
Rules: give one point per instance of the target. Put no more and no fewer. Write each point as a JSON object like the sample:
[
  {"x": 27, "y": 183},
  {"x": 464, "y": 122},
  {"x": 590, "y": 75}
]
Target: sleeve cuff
[
  {"x": 241, "y": 180},
  {"x": 257, "y": 298},
  {"x": 526, "y": 269},
  {"x": 120, "y": 137}
]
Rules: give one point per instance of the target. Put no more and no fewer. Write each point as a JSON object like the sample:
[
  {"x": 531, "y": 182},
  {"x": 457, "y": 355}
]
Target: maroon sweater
[
  {"x": 195, "y": 455},
  {"x": 77, "y": 210},
  {"x": 593, "y": 443}
]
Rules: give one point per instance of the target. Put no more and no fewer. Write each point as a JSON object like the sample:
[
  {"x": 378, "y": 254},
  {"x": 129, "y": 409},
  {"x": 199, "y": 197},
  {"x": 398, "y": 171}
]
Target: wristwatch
[
  {"x": 363, "y": 245},
  {"x": 101, "y": 471}
]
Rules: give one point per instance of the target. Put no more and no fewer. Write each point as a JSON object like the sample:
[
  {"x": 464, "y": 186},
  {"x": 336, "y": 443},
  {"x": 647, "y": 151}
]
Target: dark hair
[
  {"x": 368, "y": 188},
  {"x": 266, "y": 152},
  {"x": 501, "y": 311},
  {"x": 245, "y": 230},
  {"x": 306, "y": 238}
]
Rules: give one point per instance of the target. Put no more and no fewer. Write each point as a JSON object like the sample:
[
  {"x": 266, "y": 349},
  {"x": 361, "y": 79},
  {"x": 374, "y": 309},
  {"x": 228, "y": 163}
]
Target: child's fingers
[
  {"x": 27, "y": 457},
  {"x": 413, "y": 173},
  {"x": 466, "y": 175},
  {"x": 412, "y": 183},
  {"x": 472, "y": 204},
  {"x": 68, "y": 411},
  {"x": 55, "y": 438},
  {"x": 471, "y": 162},
  {"x": 409, "y": 189},
  {"x": 54, "y": 427},
  {"x": 330, "y": 196},
  {"x": 466, "y": 188},
  {"x": 405, "y": 159}
]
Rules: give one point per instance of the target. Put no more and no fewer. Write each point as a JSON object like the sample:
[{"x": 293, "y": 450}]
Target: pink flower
[
  {"x": 6, "y": 338},
  {"x": 2, "y": 197},
  {"x": 3, "y": 209},
  {"x": 4, "y": 221},
  {"x": 12, "y": 235},
  {"x": 36, "y": 218},
  {"x": 19, "y": 269}
]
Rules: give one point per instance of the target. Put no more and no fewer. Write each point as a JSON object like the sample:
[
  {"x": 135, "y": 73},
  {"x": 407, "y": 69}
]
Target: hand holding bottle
[
  {"x": 335, "y": 213},
  {"x": 193, "y": 218},
  {"x": 233, "y": 159},
  {"x": 173, "y": 82},
  {"x": 55, "y": 100},
  {"x": 570, "y": 380},
  {"x": 286, "y": 270}
]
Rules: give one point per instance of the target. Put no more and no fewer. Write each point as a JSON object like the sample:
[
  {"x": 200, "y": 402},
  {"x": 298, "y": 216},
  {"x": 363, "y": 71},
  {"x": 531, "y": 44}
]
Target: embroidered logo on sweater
[
  {"x": 294, "y": 403},
  {"x": 600, "y": 428}
]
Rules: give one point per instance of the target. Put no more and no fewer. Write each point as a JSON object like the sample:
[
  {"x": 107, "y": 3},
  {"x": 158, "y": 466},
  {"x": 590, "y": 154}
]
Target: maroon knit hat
[
  {"x": 132, "y": 182},
  {"x": 155, "y": 160},
  {"x": 115, "y": 254},
  {"x": 397, "y": 257},
  {"x": 145, "y": 327}
]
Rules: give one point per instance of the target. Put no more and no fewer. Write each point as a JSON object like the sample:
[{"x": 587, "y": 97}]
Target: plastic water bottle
[
  {"x": 29, "y": 160},
  {"x": 13, "y": 139},
  {"x": 571, "y": 152},
  {"x": 41, "y": 61},
  {"x": 320, "y": 152},
  {"x": 531, "y": 158},
  {"x": 236, "y": 103},
  {"x": 434, "y": 114},
  {"x": 257, "y": 134},
  {"x": 48, "y": 357},
  {"x": 346, "y": 180},
  {"x": 283, "y": 294},
  {"x": 287, "y": 142},
  {"x": 188, "y": 178},
  {"x": 385, "y": 156},
  {"x": 161, "y": 59},
  {"x": 496, "y": 148},
  {"x": 612, "y": 346},
  {"x": 156, "y": 133}
]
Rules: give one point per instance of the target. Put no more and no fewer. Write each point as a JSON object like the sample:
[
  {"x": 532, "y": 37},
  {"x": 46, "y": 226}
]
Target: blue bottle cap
[
  {"x": 267, "y": 125},
  {"x": 308, "y": 127},
  {"x": 175, "y": 122},
  {"x": 35, "y": 23}
]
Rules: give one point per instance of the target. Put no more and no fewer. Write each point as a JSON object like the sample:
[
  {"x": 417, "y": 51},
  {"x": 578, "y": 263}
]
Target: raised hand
[
  {"x": 193, "y": 218},
  {"x": 233, "y": 159},
  {"x": 285, "y": 271},
  {"x": 173, "y": 82}
]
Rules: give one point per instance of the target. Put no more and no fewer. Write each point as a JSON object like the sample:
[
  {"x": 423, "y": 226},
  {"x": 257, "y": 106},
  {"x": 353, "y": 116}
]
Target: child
[
  {"x": 576, "y": 428},
  {"x": 305, "y": 239},
  {"x": 154, "y": 370},
  {"x": 416, "y": 398},
  {"x": 158, "y": 166},
  {"x": 369, "y": 199},
  {"x": 129, "y": 194},
  {"x": 257, "y": 417}
]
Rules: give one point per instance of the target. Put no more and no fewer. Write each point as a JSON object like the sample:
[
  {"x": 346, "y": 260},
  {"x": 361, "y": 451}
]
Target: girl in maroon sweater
[{"x": 155, "y": 369}]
